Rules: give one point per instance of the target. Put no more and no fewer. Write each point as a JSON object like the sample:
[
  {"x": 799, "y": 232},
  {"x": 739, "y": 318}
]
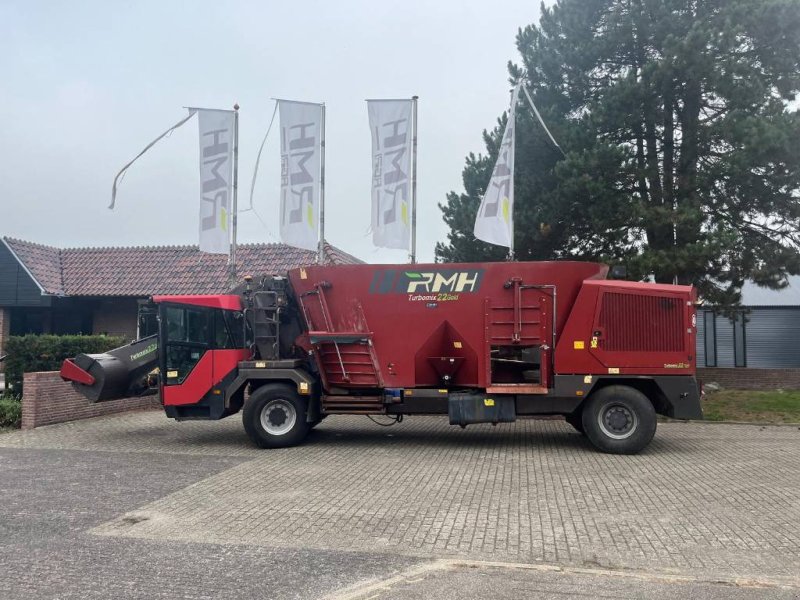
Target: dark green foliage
[
  {"x": 682, "y": 148},
  {"x": 30, "y": 353},
  {"x": 10, "y": 412}
]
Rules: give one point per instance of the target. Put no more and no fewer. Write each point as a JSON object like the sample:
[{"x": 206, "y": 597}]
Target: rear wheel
[
  {"x": 619, "y": 419},
  {"x": 275, "y": 416}
]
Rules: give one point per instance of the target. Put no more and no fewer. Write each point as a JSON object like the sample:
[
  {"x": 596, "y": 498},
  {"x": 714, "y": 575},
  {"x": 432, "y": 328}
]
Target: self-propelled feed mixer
[{"x": 480, "y": 342}]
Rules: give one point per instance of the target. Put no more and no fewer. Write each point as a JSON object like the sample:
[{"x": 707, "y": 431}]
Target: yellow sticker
[
  {"x": 587, "y": 379},
  {"x": 594, "y": 342},
  {"x": 261, "y": 364},
  {"x": 488, "y": 402},
  {"x": 304, "y": 388},
  {"x": 303, "y": 274},
  {"x": 613, "y": 370},
  {"x": 457, "y": 345},
  {"x": 172, "y": 373},
  {"x": 579, "y": 392},
  {"x": 408, "y": 392},
  {"x": 578, "y": 345}
]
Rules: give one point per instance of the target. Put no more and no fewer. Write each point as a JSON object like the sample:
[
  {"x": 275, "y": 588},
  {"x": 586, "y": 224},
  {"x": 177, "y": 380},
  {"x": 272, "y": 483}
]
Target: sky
[{"x": 86, "y": 85}]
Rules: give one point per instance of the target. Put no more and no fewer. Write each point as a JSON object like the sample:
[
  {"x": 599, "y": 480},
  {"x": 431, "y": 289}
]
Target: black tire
[
  {"x": 619, "y": 419},
  {"x": 275, "y": 416},
  {"x": 576, "y": 420}
]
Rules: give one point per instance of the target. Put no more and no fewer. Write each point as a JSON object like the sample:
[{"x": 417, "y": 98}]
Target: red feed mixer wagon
[{"x": 480, "y": 342}]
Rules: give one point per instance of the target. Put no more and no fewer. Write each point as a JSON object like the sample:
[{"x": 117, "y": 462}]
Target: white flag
[
  {"x": 301, "y": 138},
  {"x": 495, "y": 220},
  {"x": 390, "y": 123},
  {"x": 216, "y": 167}
]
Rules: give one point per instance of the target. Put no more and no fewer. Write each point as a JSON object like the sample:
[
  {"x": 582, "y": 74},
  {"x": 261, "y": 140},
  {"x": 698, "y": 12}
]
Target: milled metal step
[{"x": 353, "y": 405}]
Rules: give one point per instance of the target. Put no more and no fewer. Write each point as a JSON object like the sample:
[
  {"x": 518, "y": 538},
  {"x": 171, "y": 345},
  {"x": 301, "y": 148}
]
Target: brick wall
[
  {"x": 47, "y": 400},
  {"x": 116, "y": 316},
  {"x": 5, "y": 329},
  {"x": 752, "y": 379}
]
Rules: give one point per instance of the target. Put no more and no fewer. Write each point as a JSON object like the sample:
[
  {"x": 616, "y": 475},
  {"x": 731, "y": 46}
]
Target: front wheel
[
  {"x": 275, "y": 416},
  {"x": 619, "y": 419}
]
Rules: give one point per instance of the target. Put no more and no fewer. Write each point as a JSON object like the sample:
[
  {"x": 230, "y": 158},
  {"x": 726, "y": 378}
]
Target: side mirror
[{"x": 618, "y": 272}]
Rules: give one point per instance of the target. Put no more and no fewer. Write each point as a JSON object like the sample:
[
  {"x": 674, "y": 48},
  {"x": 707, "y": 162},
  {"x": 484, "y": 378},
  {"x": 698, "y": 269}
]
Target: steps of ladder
[{"x": 365, "y": 405}]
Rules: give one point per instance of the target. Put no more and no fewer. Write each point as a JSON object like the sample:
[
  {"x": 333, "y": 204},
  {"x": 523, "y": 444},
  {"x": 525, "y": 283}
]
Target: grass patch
[{"x": 773, "y": 406}]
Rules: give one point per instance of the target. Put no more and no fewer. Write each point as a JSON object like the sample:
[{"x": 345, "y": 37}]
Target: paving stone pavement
[
  {"x": 715, "y": 501},
  {"x": 49, "y": 499},
  {"x": 140, "y": 431}
]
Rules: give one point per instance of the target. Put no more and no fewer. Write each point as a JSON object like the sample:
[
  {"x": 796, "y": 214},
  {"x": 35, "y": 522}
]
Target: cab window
[
  {"x": 187, "y": 333},
  {"x": 228, "y": 329},
  {"x": 187, "y": 325}
]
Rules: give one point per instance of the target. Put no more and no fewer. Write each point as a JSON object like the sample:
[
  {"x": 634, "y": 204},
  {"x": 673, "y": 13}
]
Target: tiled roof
[
  {"x": 337, "y": 256},
  {"x": 148, "y": 270}
]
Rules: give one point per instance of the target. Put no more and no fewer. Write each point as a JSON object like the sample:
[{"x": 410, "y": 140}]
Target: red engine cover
[{"x": 619, "y": 327}]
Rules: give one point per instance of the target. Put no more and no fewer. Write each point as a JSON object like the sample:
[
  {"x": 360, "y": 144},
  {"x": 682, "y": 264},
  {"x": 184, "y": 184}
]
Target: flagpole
[
  {"x": 512, "y": 115},
  {"x": 234, "y": 219},
  {"x": 321, "y": 251},
  {"x": 414, "y": 179}
]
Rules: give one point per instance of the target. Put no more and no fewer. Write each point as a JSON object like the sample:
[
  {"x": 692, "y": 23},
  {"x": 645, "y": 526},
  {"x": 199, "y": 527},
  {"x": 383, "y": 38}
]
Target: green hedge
[
  {"x": 29, "y": 353},
  {"x": 10, "y": 412}
]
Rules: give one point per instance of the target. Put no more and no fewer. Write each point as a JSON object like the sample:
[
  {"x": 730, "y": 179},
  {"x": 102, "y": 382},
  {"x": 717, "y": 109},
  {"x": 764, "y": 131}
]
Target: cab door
[{"x": 187, "y": 367}]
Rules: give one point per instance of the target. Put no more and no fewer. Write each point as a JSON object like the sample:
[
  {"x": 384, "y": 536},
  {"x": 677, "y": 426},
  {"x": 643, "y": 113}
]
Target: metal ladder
[
  {"x": 346, "y": 358},
  {"x": 266, "y": 324}
]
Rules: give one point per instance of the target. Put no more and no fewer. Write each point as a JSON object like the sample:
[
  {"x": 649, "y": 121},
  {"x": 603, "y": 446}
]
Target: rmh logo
[
  {"x": 442, "y": 281},
  {"x": 449, "y": 281}
]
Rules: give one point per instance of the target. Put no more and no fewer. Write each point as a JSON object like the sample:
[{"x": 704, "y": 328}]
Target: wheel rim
[
  {"x": 278, "y": 417},
  {"x": 617, "y": 421}
]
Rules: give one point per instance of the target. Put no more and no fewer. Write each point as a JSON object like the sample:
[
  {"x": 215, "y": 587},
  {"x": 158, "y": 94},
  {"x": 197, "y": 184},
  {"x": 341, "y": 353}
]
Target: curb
[
  {"x": 373, "y": 588},
  {"x": 759, "y": 423}
]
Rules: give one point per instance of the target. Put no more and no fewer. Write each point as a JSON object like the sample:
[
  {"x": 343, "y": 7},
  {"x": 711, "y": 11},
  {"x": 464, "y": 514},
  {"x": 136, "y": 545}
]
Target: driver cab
[{"x": 203, "y": 339}]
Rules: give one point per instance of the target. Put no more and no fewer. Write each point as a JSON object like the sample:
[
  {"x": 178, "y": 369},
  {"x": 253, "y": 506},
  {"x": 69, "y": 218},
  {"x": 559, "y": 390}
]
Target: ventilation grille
[{"x": 638, "y": 323}]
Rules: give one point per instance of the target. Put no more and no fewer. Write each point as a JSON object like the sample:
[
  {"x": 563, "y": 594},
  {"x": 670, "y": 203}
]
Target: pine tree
[{"x": 682, "y": 145}]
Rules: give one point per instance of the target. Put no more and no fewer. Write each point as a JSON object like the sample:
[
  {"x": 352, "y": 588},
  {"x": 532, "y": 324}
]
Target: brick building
[{"x": 100, "y": 290}]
